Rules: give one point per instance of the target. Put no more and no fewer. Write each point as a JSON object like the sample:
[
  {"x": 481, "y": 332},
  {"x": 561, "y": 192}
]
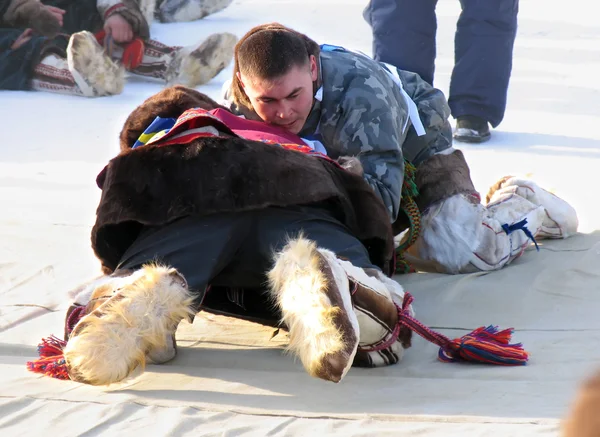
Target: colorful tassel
[
  {"x": 484, "y": 345},
  {"x": 52, "y": 361}
]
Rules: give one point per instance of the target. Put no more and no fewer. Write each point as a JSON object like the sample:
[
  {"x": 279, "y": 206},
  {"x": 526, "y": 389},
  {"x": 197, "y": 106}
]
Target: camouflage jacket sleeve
[
  {"x": 433, "y": 112},
  {"x": 130, "y": 10},
  {"x": 371, "y": 128}
]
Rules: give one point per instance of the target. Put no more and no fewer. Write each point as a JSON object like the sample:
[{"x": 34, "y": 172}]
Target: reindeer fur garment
[{"x": 153, "y": 185}]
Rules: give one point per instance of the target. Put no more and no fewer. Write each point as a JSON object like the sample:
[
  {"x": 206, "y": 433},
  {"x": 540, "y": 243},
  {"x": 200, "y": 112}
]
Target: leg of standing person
[
  {"x": 485, "y": 35},
  {"x": 404, "y": 34}
]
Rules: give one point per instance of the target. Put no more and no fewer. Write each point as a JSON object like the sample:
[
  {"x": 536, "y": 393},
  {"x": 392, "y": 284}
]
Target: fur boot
[
  {"x": 87, "y": 71},
  {"x": 127, "y": 322},
  {"x": 189, "y": 10},
  {"x": 337, "y": 315},
  {"x": 561, "y": 219},
  {"x": 313, "y": 295},
  {"x": 460, "y": 235},
  {"x": 190, "y": 66},
  {"x": 374, "y": 299}
]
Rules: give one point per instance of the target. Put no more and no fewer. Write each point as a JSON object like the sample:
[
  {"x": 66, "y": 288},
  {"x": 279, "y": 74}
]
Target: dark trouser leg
[
  {"x": 404, "y": 34},
  {"x": 17, "y": 65},
  {"x": 485, "y": 36},
  {"x": 198, "y": 247},
  {"x": 277, "y": 225}
]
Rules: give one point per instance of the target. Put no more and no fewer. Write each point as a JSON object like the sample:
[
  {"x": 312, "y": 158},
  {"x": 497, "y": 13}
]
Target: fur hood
[{"x": 153, "y": 185}]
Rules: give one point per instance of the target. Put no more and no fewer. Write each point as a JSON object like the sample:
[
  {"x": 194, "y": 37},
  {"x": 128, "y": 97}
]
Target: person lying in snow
[
  {"x": 79, "y": 47},
  {"x": 226, "y": 216},
  {"x": 355, "y": 106},
  {"x": 205, "y": 210}
]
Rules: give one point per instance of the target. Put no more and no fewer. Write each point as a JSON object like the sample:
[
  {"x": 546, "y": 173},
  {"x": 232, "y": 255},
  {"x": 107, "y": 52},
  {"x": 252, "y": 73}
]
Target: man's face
[{"x": 285, "y": 101}]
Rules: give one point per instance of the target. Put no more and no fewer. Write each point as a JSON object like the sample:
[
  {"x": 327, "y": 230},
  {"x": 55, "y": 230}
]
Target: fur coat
[{"x": 153, "y": 185}]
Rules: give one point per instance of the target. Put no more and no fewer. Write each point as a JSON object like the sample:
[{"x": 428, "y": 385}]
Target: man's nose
[{"x": 283, "y": 111}]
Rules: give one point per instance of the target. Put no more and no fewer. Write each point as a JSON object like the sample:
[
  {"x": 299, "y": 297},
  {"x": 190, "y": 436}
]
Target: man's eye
[{"x": 293, "y": 97}]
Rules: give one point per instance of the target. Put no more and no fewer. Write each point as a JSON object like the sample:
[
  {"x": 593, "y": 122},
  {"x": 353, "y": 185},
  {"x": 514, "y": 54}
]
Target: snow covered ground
[{"x": 228, "y": 383}]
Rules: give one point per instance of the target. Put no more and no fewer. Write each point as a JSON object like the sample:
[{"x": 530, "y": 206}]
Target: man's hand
[
  {"x": 57, "y": 13},
  {"x": 22, "y": 39},
  {"x": 119, "y": 28},
  {"x": 46, "y": 20}
]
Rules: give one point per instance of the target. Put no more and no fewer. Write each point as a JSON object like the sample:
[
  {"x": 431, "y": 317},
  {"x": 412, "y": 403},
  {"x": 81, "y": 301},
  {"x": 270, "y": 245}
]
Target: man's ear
[
  {"x": 239, "y": 78},
  {"x": 314, "y": 73}
]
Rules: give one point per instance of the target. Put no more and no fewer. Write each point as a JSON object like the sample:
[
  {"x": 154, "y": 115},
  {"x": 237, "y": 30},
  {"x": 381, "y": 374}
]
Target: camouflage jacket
[{"x": 360, "y": 111}]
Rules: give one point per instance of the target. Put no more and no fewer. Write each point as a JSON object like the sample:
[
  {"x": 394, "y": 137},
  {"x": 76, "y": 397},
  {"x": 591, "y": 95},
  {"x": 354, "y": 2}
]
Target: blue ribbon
[{"x": 522, "y": 225}]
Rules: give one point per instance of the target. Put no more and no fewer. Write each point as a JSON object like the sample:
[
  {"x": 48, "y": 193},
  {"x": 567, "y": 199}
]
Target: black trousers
[{"x": 236, "y": 249}]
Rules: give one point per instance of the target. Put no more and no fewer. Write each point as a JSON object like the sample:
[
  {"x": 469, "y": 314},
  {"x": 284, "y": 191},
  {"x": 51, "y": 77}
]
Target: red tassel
[
  {"x": 51, "y": 361},
  {"x": 485, "y": 345}
]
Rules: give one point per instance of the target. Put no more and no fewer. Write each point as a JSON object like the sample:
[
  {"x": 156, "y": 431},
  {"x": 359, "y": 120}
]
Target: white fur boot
[
  {"x": 190, "y": 66},
  {"x": 460, "y": 235},
  {"x": 126, "y": 321},
  {"x": 560, "y": 220},
  {"x": 87, "y": 71},
  {"x": 189, "y": 10},
  {"x": 196, "y": 65},
  {"x": 338, "y": 315},
  {"x": 313, "y": 295}
]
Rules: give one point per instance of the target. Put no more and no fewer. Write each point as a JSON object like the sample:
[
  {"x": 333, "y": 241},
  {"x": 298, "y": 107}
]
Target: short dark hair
[{"x": 267, "y": 52}]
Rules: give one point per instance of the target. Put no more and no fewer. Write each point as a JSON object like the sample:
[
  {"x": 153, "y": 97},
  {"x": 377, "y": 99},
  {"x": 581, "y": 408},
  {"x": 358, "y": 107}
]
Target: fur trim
[
  {"x": 195, "y": 66},
  {"x": 351, "y": 164},
  {"x": 101, "y": 286},
  {"x": 312, "y": 291},
  {"x": 111, "y": 341},
  {"x": 94, "y": 72},
  {"x": 171, "y": 11},
  {"x": 495, "y": 187},
  {"x": 163, "y": 353},
  {"x": 442, "y": 176}
]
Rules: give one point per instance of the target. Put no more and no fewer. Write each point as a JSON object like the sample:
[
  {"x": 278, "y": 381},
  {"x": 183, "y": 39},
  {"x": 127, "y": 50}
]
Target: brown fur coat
[{"x": 154, "y": 185}]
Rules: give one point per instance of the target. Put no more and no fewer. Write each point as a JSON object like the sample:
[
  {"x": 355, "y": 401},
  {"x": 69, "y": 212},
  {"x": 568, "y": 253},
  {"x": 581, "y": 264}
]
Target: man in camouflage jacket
[{"x": 355, "y": 106}]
